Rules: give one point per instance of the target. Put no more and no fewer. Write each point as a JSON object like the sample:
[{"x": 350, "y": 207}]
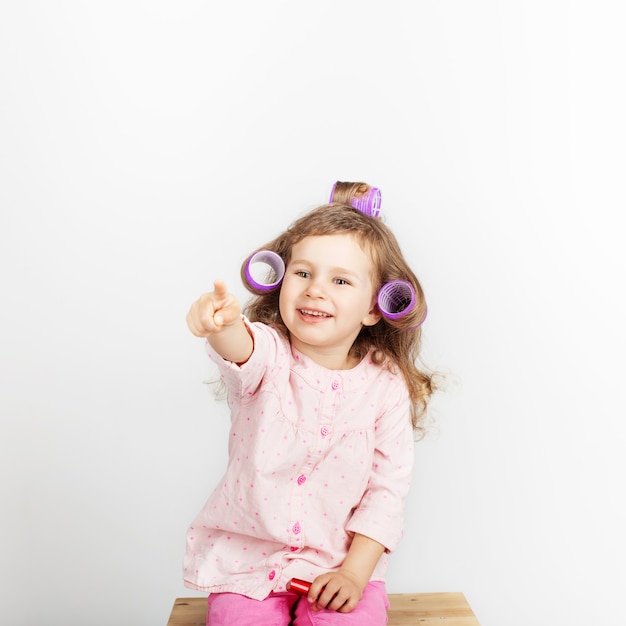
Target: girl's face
[{"x": 327, "y": 296}]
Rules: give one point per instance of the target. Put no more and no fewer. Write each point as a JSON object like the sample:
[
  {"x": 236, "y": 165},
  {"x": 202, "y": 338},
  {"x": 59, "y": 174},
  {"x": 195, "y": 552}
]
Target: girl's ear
[{"x": 373, "y": 316}]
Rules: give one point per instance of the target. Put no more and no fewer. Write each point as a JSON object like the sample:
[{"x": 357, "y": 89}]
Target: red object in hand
[{"x": 301, "y": 587}]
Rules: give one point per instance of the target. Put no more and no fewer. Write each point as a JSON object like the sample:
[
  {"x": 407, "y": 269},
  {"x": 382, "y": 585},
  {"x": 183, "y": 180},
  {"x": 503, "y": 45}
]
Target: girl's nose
[{"x": 315, "y": 288}]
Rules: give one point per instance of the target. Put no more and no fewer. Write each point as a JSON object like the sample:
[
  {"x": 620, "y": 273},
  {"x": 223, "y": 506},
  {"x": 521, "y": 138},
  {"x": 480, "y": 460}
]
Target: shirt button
[
  {"x": 296, "y": 528},
  {"x": 335, "y": 385},
  {"x": 324, "y": 431},
  {"x": 272, "y": 575},
  {"x": 301, "y": 479}
]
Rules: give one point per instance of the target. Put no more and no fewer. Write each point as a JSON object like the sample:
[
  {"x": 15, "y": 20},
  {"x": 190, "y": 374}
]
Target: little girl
[{"x": 325, "y": 398}]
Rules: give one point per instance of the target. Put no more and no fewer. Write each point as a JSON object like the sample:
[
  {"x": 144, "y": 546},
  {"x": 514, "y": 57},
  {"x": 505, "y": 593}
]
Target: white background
[{"x": 147, "y": 147}]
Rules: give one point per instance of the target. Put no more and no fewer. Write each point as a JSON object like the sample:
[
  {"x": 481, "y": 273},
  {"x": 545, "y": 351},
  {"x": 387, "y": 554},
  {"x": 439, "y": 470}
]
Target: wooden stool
[{"x": 421, "y": 609}]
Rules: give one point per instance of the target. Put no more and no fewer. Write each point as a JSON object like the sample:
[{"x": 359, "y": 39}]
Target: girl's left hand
[{"x": 336, "y": 591}]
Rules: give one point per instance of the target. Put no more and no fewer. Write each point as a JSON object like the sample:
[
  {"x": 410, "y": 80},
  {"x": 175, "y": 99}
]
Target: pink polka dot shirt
[{"x": 315, "y": 455}]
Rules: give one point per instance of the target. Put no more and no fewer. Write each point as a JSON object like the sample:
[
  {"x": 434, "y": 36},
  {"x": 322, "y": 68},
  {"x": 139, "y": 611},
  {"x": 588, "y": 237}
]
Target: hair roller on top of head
[
  {"x": 272, "y": 261},
  {"x": 358, "y": 195}
]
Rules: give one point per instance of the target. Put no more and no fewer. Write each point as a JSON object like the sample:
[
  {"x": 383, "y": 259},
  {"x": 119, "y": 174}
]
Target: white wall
[{"x": 147, "y": 147}]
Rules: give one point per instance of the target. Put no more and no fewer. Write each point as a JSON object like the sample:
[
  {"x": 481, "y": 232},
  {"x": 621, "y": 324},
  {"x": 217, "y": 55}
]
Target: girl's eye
[
  {"x": 341, "y": 281},
  {"x": 303, "y": 274}
]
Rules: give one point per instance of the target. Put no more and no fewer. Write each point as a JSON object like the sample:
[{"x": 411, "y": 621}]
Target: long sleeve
[{"x": 380, "y": 514}]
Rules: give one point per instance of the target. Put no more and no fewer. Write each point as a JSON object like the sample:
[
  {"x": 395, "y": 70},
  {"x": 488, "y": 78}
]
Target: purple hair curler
[
  {"x": 273, "y": 261},
  {"x": 369, "y": 203},
  {"x": 396, "y": 299}
]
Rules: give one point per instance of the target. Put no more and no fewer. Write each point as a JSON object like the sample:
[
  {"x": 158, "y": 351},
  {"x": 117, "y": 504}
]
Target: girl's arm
[
  {"x": 217, "y": 316},
  {"x": 342, "y": 590}
]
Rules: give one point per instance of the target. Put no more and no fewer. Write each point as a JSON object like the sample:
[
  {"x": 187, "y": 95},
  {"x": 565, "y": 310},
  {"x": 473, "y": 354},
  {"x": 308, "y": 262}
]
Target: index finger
[
  {"x": 220, "y": 289},
  {"x": 316, "y": 588}
]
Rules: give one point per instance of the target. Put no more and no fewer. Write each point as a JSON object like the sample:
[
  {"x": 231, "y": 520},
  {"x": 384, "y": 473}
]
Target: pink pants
[{"x": 288, "y": 609}]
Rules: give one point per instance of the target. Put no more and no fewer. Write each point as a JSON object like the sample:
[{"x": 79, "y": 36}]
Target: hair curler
[
  {"x": 273, "y": 261},
  {"x": 368, "y": 203},
  {"x": 301, "y": 587},
  {"x": 396, "y": 299}
]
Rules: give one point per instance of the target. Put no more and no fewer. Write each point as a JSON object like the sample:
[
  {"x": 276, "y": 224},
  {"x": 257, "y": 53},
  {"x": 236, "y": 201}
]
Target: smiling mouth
[{"x": 313, "y": 313}]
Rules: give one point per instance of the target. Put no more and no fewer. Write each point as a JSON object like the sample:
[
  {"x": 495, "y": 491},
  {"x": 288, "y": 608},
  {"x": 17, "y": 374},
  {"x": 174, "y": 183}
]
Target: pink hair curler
[
  {"x": 301, "y": 587},
  {"x": 270, "y": 259},
  {"x": 396, "y": 299},
  {"x": 369, "y": 203}
]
